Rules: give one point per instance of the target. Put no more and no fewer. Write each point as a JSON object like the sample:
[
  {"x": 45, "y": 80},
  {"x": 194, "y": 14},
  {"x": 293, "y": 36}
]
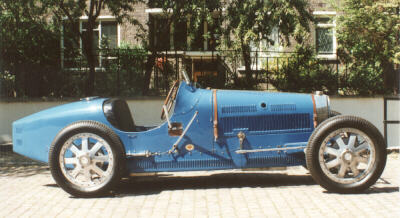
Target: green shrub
[{"x": 303, "y": 72}]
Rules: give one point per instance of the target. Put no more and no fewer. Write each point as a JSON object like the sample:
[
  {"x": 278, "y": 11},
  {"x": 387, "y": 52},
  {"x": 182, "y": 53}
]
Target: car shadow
[
  {"x": 15, "y": 165},
  {"x": 157, "y": 184},
  {"x": 371, "y": 190},
  {"x": 151, "y": 185},
  {"x": 22, "y": 170}
]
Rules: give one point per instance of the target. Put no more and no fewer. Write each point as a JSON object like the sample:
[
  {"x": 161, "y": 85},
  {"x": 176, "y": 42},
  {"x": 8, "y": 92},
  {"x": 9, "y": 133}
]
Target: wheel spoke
[
  {"x": 361, "y": 148},
  {"x": 101, "y": 159},
  {"x": 75, "y": 172},
  {"x": 95, "y": 148},
  {"x": 332, "y": 151},
  {"x": 342, "y": 171},
  {"x": 87, "y": 174},
  {"x": 332, "y": 163},
  {"x": 85, "y": 142},
  {"x": 362, "y": 160},
  {"x": 97, "y": 170},
  {"x": 340, "y": 142},
  {"x": 70, "y": 160},
  {"x": 354, "y": 169},
  {"x": 352, "y": 141},
  {"x": 75, "y": 150}
]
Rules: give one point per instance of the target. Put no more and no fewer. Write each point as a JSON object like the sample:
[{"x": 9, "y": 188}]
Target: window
[
  {"x": 105, "y": 35},
  {"x": 180, "y": 35},
  {"x": 274, "y": 45},
  {"x": 165, "y": 35},
  {"x": 325, "y": 40},
  {"x": 160, "y": 33}
]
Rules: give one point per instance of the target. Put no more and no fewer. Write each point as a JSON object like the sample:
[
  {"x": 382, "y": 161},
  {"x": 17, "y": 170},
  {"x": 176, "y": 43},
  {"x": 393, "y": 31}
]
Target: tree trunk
[
  {"x": 147, "y": 75},
  {"x": 247, "y": 65},
  {"x": 88, "y": 50}
]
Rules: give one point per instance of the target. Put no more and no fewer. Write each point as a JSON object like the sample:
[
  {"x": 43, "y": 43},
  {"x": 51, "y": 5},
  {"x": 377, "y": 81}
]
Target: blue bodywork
[{"x": 268, "y": 121}]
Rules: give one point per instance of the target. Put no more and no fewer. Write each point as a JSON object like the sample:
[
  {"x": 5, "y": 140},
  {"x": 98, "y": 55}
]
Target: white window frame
[
  {"x": 81, "y": 20},
  {"x": 326, "y": 14}
]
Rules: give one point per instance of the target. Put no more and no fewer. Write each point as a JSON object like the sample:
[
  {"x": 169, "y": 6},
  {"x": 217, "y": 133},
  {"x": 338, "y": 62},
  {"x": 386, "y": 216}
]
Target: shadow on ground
[
  {"x": 156, "y": 184},
  {"x": 12, "y": 164}
]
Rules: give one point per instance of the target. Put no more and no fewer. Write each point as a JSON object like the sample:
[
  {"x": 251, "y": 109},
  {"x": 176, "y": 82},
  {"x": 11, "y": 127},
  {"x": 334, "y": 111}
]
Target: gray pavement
[{"x": 27, "y": 190}]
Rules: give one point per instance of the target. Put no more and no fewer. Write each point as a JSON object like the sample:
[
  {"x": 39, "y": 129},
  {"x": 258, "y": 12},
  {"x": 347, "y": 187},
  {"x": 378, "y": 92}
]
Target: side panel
[{"x": 268, "y": 120}]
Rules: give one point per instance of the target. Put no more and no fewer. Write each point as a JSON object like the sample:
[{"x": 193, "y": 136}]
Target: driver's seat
[{"x": 118, "y": 114}]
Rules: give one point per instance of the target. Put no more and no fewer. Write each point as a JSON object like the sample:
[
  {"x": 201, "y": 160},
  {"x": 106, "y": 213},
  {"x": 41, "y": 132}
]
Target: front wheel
[
  {"x": 86, "y": 159},
  {"x": 346, "y": 154}
]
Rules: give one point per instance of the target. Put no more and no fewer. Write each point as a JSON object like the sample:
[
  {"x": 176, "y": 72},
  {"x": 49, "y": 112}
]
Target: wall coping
[
  {"x": 72, "y": 99},
  {"x": 50, "y": 99}
]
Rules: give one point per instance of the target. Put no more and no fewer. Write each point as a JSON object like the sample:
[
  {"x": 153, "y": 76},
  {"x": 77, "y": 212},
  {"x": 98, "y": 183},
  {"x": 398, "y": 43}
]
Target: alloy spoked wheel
[
  {"x": 347, "y": 155},
  {"x": 86, "y": 160}
]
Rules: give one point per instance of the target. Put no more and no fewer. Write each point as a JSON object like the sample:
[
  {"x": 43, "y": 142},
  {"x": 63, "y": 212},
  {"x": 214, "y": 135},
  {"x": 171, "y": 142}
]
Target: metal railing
[{"x": 125, "y": 64}]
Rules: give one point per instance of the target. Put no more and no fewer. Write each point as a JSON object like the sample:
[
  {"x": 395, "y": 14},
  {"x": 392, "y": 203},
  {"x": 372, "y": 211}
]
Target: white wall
[
  {"x": 147, "y": 112},
  {"x": 371, "y": 109}
]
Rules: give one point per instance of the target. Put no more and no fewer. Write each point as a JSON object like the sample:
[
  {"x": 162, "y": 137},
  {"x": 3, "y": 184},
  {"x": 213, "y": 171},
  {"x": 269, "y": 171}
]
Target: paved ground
[{"x": 28, "y": 190}]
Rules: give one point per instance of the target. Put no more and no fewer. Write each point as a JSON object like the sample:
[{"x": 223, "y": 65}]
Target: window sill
[{"x": 327, "y": 56}]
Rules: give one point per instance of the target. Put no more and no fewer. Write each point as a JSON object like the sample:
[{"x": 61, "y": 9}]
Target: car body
[{"x": 90, "y": 144}]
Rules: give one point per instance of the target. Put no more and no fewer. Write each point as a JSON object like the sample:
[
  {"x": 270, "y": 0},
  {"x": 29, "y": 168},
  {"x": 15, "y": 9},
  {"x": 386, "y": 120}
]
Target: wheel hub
[
  {"x": 347, "y": 156},
  {"x": 85, "y": 160}
]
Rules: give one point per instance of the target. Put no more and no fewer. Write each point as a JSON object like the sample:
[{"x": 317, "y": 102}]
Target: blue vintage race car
[{"x": 89, "y": 145}]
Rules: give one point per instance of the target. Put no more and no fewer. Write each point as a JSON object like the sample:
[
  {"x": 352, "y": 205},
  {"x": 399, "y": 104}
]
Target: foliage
[
  {"x": 303, "y": 72},
  {"x": 184, "y": 16},
  {"x": 29, "y": 49},
  {"x": 72, "y": 10},
  {"x": 250, "y": 22},
  {"x": 123, "y": 71},
  {"x": 367, "y": 34}
]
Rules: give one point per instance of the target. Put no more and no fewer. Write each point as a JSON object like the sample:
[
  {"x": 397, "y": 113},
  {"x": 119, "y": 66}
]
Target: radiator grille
[
  {"x": 263, "y": 160},
  {"x": 266, "y": 122},
  {"x": 238, "y": 109},
  {"x": 150, "y": 163},
  {"x": 283, "y": 107}
]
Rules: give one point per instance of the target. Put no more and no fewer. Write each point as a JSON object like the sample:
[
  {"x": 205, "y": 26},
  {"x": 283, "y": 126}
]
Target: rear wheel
[
  {"x": 86, "y": 159},
  {"x": 346, "y": 154}
]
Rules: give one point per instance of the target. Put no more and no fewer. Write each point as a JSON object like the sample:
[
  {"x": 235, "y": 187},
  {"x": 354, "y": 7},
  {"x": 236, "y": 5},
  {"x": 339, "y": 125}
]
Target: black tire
[
  {"x": 94, "y": 129},
  {"x": 367, "y": 177},
  {"x": 333, "y": 113}
]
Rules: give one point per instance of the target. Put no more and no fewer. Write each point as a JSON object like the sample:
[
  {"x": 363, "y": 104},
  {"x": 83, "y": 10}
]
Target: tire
[
  {"x": 86, "y": 159},
  {"x": 333, "y": 113},
  {"x": 346, "y": 154}
]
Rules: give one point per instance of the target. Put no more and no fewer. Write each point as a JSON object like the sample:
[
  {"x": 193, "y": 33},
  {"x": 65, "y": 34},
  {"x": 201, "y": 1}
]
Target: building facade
[{"x": 200, "y": 52}]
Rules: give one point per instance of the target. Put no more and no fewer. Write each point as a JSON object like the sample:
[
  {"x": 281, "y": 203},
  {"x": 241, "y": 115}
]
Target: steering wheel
[{"x": 169, "y": 100}]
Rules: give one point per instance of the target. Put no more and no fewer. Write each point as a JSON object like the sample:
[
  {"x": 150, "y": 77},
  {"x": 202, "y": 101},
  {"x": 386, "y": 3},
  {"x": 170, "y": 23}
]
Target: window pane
[
  {"x": 324, "y": 40},
  {"x": 180, "y": 35},
  {"x": 197, "y": 43},
  {"x": 273, "y": 46},
  {"x": 161, "y": 33},
  {"x": 214, "y": 33},
  {"x": 324, "y": 20},
  {"x": 109, "y": 34}
]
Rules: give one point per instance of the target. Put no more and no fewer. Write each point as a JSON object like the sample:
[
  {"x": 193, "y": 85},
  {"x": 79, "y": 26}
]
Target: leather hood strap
[{"x": 215, "y": 123}]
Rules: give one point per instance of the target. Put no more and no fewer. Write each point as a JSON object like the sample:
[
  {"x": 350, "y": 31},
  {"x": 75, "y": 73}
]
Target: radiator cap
[{"x": 319, "y": 92}]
